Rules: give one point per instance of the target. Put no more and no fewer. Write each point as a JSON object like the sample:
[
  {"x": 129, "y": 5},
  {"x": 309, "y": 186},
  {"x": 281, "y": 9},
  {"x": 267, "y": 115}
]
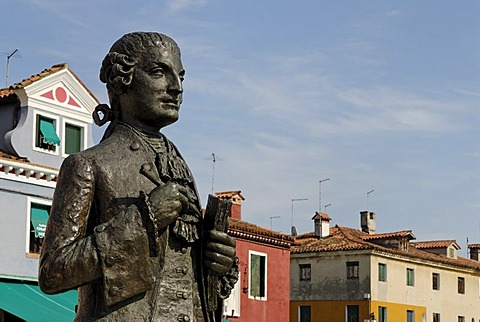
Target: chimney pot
[{"x": 367, "y": 222}]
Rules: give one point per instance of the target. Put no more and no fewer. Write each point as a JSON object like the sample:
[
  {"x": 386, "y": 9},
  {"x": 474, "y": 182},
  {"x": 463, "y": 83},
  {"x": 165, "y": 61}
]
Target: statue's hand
[
  {"x": 219, "y": 252},
  {"x": 167, "y": 202}
]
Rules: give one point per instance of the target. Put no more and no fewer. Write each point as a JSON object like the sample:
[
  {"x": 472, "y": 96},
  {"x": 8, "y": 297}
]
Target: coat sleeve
[{"x": 72, "y": 257}]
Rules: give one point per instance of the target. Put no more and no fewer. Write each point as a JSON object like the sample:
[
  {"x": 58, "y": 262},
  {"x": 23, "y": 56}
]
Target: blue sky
[{"x": 375, "y": 95}]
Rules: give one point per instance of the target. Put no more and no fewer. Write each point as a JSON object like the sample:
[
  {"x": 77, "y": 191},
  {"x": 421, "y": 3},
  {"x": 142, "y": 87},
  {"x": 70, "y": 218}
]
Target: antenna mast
[
  {"x": 8, "y": 64},
  {"x": 213, "y": 170}
]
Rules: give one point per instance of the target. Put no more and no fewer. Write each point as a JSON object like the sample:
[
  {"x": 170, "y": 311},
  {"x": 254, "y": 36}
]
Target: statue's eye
[{"x": 157, "y": 71}]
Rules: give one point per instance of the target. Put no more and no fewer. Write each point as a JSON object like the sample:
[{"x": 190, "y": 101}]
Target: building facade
[
  {"x": 43, "y": 119},
  {"x": 262, "y": 292},
  {"x": 354, "y": 275}
]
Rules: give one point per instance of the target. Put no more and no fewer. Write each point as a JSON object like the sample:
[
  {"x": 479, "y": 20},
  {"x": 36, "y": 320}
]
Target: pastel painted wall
[
  {"x": 276, "y": 307},
  {"x": 329, "y": 311}
]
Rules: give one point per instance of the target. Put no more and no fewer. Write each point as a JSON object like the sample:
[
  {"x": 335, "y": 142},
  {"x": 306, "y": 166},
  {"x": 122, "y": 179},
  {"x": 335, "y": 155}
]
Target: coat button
[
  {"x": 184, "y": 250},
  {"x": 135, "y": 146},
  {"x": 113, "y": 291},
  {"x": 182, "y": 270},
  {"x": 183, "y": 318},
  {"x": 100, "y": 228},
  {"x": 110, "y": 260}
]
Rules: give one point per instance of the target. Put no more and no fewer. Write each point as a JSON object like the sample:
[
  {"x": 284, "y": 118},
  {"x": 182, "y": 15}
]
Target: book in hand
[{"x": 215, "y": 218}]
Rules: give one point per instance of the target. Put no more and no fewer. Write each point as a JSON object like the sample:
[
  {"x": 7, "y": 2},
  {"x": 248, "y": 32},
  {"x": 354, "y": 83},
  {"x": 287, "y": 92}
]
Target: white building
[{"x": 43, "y": 119}]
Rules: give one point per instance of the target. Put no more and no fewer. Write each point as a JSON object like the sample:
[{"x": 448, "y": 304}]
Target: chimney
[
  {"x": 474, "y": 251},
  {"x": 321, "y": 224},
  {"x": 236, "y": 198},
  {"x": 367, "y": 221}
]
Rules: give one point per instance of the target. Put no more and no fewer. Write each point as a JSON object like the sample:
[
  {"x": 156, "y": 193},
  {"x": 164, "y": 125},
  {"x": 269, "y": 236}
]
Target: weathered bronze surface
[{"x": 125, "y": 226}]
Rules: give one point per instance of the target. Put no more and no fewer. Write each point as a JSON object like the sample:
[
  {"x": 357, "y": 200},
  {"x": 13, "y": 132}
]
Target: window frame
[
  {"x": 410, "y": 277},
  {"x": 436, "y": 317},
  {"x": 382, "y": 267},
  {"x": 353, "y": 273},
  {"x": 30, "y": 201},
  {"x": 309, "y": 319},
  {"x": 382, "y": 314},
  {"x": 305, "y": 268},
  {"x": 410, "y": 316},
  {"x": 83, "y": 136},
  {"x": 461, "y": 285},
  {"x": 250, "y": 296},
  {"x": 36, "y": 130},
  {"x": 436, "y": 281}
]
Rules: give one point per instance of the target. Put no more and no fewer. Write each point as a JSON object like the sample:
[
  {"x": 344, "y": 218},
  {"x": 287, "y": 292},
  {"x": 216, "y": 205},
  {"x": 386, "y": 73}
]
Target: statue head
[{"x": 144, "y": 73}]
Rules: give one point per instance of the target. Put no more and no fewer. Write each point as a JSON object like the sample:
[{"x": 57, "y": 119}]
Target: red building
[{"x": 263, "y": 290}]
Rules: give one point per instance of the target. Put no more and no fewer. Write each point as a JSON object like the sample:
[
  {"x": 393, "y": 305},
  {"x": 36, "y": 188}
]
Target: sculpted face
[{"x": 153, "y": 99}]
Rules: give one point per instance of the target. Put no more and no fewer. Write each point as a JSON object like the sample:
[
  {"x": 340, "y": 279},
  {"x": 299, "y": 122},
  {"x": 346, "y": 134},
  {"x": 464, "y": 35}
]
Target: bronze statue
[{"x": 126, "y": 227}]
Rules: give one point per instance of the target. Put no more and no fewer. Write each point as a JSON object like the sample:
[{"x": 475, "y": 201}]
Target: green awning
[
  {"x": 48, "y": 131},
  {"x": 39, "y": 218},
  {"x": 29, "y": 303}
]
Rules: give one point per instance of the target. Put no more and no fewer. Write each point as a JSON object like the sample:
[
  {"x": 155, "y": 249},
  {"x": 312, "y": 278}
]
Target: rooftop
[
  {"x": 10, "y": 92},
  {"x": 348, "y": 239},
  {"x": 245, "y": 230}
]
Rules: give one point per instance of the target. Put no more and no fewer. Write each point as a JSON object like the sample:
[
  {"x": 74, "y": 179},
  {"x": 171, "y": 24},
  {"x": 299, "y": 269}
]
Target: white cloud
[{"x": 178, "y": 5}]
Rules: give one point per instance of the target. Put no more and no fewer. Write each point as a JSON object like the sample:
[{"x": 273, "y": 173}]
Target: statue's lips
[{"x": 170, "y": 104}]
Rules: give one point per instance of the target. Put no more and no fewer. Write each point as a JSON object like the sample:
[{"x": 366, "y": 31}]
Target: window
[
  {"x": 352, "y": 269},
  {"x": 305, "y": 314},
  {"x": 38, "y": 222},
  {"x": 382, "y": 314},
  {"x": 461, "y": 319},
  {"x": 410, "y": 316},
  {"x": 305, "y": 272},
  {"x": 353, "y": 313},
  {"x": 46, "y": 137},
  {"x": 258, "y": 276},
  {"x": 382, "y": 272},
  {"x": 410, "y": 277},
  {"x": 435, "y": 281},
  {"x": 436, "y": 317},
  {"x": 461, "y": 285},
  {"x": 73, "y": 138}
]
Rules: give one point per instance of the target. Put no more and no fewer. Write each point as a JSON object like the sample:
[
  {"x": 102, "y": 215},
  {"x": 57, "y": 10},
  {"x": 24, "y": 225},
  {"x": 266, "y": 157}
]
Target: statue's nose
[{"x": 175, "y": 86}]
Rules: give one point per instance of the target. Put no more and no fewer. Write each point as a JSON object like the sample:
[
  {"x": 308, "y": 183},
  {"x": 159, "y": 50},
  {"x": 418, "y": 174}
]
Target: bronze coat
[{"x": 96, "y": 241}]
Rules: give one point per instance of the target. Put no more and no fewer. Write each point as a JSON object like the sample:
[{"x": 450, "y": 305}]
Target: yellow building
[{"x": 342, "y": 274}]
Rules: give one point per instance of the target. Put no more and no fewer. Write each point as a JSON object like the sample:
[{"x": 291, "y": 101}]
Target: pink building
[{"x": 263, "y": 290}]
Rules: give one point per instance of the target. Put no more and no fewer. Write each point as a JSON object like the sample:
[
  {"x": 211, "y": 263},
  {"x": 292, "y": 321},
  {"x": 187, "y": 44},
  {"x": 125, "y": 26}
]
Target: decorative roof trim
[{"x": 28, "y": 173}]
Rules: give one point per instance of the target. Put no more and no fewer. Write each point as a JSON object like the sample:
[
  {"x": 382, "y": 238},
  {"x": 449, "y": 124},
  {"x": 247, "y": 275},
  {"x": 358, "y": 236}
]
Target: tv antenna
[
  {"x": 213, "y": 170},
  {"x": 293, "y": 200},
  {"x": 368, "y": 195},
  {"x": 272, "y": 217},
  {"x": 320, "y": 193},
  {"x": 8, "y": 65}
]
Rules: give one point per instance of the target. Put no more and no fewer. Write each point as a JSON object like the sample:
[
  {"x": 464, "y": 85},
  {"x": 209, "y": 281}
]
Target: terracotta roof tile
[
  {"x": 246, "y": 230},
  {"x": 403, "y": 233},
  {"x": 344, "y": 238},
  {"x": 229, "y": 194},
  {"x": 322, "y": 215},
  {"x": 6, "y": 92},
  {"x": 435, "y": 244},
  {"x": 474, "y": 246}
]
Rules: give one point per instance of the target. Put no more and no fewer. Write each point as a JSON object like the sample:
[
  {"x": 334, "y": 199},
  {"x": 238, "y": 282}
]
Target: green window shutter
[
  {"x": 48, "y": 132},
  {"x": 73, "y": 139},
  {"x": 255, "y": 275},
  {"x": 263, "y": 281},
  {"x": 39, "y": 218}
]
